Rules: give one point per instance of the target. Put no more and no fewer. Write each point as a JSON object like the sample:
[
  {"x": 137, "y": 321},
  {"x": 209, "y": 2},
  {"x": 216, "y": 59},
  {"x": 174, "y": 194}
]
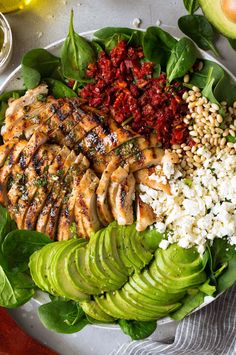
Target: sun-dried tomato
[{"x": 125, "y": 87}]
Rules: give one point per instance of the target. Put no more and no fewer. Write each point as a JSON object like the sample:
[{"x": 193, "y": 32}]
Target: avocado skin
[{"x": 213, "y": 11}]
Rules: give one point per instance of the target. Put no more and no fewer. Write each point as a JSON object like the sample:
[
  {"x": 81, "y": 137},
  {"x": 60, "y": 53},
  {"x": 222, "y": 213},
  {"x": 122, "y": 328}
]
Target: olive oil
[{"x": 13, "y": 5}]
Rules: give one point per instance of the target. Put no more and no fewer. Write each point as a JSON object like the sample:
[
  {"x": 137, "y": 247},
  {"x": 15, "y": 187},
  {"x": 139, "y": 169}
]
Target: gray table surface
[{"x": 42, "y": 23}]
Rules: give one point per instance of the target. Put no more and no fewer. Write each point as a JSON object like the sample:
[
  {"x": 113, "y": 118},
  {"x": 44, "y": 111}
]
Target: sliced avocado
[
  {"x": 47, "y": 253},
  {"x": 148, "y": 286},
  {"x": 114, "y": 308},
  {"x": 60, "y": 277},
  {"x": 143, "y": 298},
  {"x": 84, "y": 273},
  {"x": 146, "y": 305},
  {"x": 95, "y": 265},
  {"x": 73, "y": 273},
  {"x": 131, "y": 309},
  {"x": 113, "y": 275},
  {"x": 107, "y": 305},
  {"x": 111, "y": 246},
  {"x": 176, "y": 283},
  {"x": 162, "y": 291},
  {"x": 222, "y": 15},
  {"x": 33, "y": 265},
  {"x": 94, "y": 259},
  {"x": 128, "y": 250},
  {"x": 168, "y": 264},
  {"x": 92, "y": 309},
  {"x": 141, "y": 253},
  {"x": 122, "y": 251}
]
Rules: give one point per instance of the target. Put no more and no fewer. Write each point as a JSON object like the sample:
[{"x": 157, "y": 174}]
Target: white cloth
[{"x": 209, "y": 331}]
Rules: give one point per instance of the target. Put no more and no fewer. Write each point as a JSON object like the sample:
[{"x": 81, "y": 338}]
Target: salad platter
[{"x": 132, "y": 200}]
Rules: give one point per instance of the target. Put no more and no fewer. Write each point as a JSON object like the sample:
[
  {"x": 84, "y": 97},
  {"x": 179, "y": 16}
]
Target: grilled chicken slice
[
  {"x": 58, "y": 191},
  {"x": 88, "y": 120},
  {"x": 6, "y": 169},
  {"x": 31, "y": 121},
  {"x": 85, "y": 206},
  {"x": 54, "y": 172},
  {"x": 120, "y": 174},
  {"x": 104, "y": 138},
  {"x": 17, "y": 172},
  {"x": 147, "y": 158},
  {"x": 67, "y": 215},
  {"x": 17, "y": 107},
  {"x": 5, "y": 150},
  {"x": 145, "y": 215},
  {"x": 132, "y": 147},
  {"x": 124, "y": 201},
  {"x": 144, "y": 177},
  {"x": 34, "y": 177},
  {"x": 103, "y": 209},
  {"x": 117, "y": 177}
]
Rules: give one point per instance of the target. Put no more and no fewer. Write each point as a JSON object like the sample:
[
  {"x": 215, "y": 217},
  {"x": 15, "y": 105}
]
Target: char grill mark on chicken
[
  {"x": 67, "y": 214},
  {"x": 85, "y": 205},
  {"x": 130, "y": 148},
  {"x": 5, "y": 171},
  {"x": 87, "y": 119},
  {"x": 42, "y": 192},
  {"x": 18, "y": 169},
  {"x": 103, "y": 208},
  {"x": 5, "y": 150},
  {"x": 34, "y": 177},
  {"x": 49, "y": 215}
]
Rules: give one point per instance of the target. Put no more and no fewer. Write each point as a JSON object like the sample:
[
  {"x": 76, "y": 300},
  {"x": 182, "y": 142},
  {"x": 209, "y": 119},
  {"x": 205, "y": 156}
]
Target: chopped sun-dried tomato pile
[{"x": 124, "y": 86}]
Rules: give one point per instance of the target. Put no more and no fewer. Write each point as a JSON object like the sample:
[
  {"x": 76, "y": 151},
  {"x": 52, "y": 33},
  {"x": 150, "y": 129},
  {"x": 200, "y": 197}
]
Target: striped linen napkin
[{"x": 209, "y": 331}]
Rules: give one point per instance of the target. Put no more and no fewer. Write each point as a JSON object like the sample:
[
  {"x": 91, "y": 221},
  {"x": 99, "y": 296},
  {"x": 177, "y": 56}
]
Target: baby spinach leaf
[
  {"x": 97, "y": 46},
  {"x": 137, "y": 330},
  {"x": 199, "y": 30},
  {"x": 200, "y": 78},
  {"x": 157, "y": 45},
  {"x": 15, "y": 289},
  {"x": 182, "y": 58},
  {"x": 59, "y": 89},
  {"x": 224, "y": 259},
  {"x": 111, "y": 42},
  {"x": 36, "y": 64},
  {"x": 76, "y": 54},
  {"x": 216, "y": 83},
  {"x": 107, "y": 32},
  {"x": 225, "y": 89},
  {"x": 190, "y": 302},
  {"x": 6, "y": 226},
  {"x": 62, "y": 316},
  {"x": 191, "y": 6},
  {"x": 136, "y": 39},
  {"x": 19, "y": 245},
  {"x": 231, "y": 138},
  {"x": 232, "y": 42}
]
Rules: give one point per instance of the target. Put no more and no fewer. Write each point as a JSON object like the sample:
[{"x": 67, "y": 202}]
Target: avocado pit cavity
[{"x": 229, "y": 9}]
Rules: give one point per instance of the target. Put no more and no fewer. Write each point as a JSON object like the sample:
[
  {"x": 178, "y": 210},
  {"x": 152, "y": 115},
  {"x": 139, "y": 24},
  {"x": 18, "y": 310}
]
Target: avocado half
[{"x": 222, "y": 15}]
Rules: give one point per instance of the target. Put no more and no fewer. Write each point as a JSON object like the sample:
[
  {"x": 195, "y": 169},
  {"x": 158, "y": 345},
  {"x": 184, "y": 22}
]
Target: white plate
[{"x": 14, "y": 82}]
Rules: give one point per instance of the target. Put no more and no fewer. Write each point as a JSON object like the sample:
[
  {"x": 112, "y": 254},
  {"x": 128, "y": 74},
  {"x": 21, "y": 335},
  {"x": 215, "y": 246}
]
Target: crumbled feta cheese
[
  {"x": 136, "y": 22},
  {"x": 200, "y": 212},
  {"x": 164, "y": 244}
]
